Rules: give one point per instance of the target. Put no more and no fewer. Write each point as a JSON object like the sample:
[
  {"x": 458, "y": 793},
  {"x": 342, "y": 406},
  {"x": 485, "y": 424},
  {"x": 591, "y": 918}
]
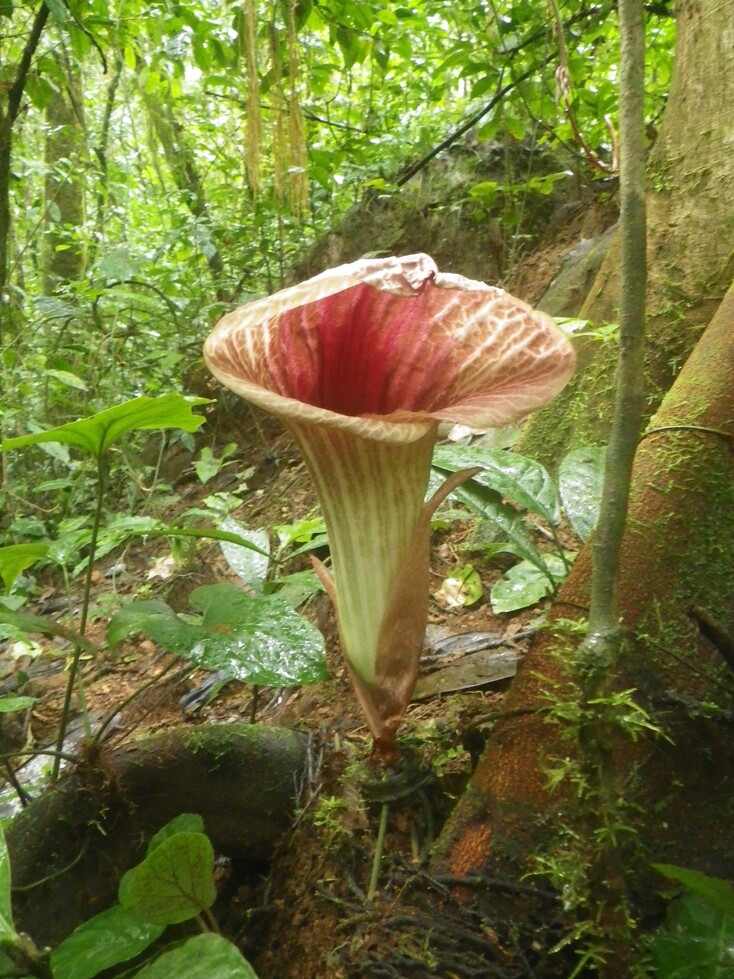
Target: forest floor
[
  {"x": 307, "y": 914},
  {"x": 318, "y": 880}
]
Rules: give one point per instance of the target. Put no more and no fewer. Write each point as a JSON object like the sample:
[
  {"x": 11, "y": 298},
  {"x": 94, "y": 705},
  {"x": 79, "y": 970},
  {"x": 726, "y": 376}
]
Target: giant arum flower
[{"x": 361, "y": 363}]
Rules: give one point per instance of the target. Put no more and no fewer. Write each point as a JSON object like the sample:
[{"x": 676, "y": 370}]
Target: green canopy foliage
[{"x": 217, "y": 139}]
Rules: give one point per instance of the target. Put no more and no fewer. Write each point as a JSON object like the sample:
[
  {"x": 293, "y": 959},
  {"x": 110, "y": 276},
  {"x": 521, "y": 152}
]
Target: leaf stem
[
  {"x": 379, "y": 845},
  {"x": 86, "y": 598}
]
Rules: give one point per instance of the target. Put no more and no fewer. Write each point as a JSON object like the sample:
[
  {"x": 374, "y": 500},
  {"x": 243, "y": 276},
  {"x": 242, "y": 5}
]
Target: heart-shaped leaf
[
  {"x": 174, "y": 883},
  {"x": 186, "y": 822},
  {"x": 113, "y": 936},
  {"x": 200, "y": 957},
  {"x": 254, "y": 639}
]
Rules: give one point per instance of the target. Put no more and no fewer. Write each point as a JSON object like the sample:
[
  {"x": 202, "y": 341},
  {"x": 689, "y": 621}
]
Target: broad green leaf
[
  {"x": 67, "y": 378},
  {"x": 300, "y": 532},
  {"x": 252, "y": 639},
  {"x": 524, "y": 584},
  {"x": 8, "y": 966},
  {"x": 580, "y": 482},
  {"x": 9, "y": 705},
  {"x": 127, "y": 620},
  {"x": 200, "y": 957},
  {"x": 294, "y": 589},
  {"x": 98, "y": 432},
  {"x": 186, "y": 822},
  {"x": 212, "y": 533},
  {"x": 6, "y": 907},
  {"x": 697, "y": 941},
  {"x": 17, "y": 557},
  {"x": 103, "y": 941},
  {"x": 249, "y": 564},
  {"x": 716, "y": 891},
  {"x": 58, "y": 11},
  {"x": 488, "y": 504},
  {"x": 174, "y": 883},
  {"x": 522, "y": 480}
]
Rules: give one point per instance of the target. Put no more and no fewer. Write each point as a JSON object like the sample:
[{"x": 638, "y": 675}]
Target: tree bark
[
  {"x": 181, "y": 161},
  {"x": 64, "y": 251},
  {"x": 11, "y": 97},
  {"x": 676, "y": 572},
  {"x": 691, "y": 262}
]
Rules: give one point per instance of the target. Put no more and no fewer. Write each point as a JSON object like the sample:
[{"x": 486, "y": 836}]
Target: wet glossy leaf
[
  {"x": 201, "y": 957},
  {"x": 250, "y": 565},
  {"x": 522, "y": 480},
  {"x": 98, "y": 432},
  {"x": 174, "y": 883},
  {"x": 488, "y": 504},
  {"x": 108, "y": 938},
  {"x": 15, "y": 558},
  {"x": 294, "y": 589},
  {"x": 524, "y": 584},
  {"x": 580, "y": 481},
  {"x": 254, "y": 639}
]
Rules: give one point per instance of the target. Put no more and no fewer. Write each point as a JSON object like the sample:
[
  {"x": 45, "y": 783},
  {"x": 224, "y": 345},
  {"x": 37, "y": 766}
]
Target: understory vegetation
[{"x": 160, "y": 165}]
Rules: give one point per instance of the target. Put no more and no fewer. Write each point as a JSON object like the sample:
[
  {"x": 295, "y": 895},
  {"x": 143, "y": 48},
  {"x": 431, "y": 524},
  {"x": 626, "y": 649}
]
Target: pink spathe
[{"x": 361, "y": 363}]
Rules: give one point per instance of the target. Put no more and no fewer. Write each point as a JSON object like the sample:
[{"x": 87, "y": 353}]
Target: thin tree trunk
[
  {"x": 676, "y": 575},
  {"x": 690, "y": 232},
  {"x": 9, "y": 108},
  {"x": 64, "y": 251},
  {"x": 172, "y": 137}
]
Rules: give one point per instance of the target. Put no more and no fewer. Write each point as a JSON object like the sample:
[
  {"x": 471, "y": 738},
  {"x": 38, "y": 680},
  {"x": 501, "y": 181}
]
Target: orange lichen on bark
[{"x": 471, "y": 849}]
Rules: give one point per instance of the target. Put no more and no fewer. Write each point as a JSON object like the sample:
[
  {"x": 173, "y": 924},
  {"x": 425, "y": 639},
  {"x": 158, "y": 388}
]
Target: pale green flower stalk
[{"x": 361, "y": 363}]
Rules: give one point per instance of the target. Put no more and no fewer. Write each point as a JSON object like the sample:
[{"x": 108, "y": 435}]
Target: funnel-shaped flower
[{"x": 361, "y": 364}]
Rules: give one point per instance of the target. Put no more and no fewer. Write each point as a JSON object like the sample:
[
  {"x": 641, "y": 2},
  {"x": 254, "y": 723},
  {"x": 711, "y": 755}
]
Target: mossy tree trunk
[
  {"x": 676, "y": 600},
  {"x": 11, "y": 96},
  {"x": 675, "y": 595},
  {"x": 690, "y": 235},
  {"x": 64, "y": 253},
  {"x": 72, "y": 844}
]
